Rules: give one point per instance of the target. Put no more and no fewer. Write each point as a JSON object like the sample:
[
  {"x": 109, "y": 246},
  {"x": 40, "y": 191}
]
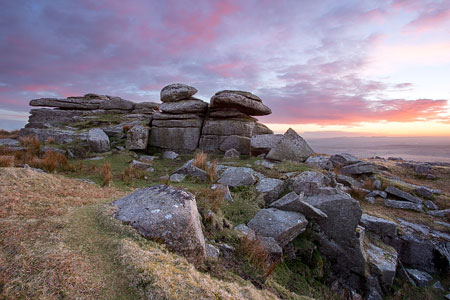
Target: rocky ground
[{"x": 261, "y": 216}]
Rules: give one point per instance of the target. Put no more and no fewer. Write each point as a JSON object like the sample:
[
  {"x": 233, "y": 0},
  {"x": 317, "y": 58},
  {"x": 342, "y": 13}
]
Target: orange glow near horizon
[{"x": 394, "y": 129}]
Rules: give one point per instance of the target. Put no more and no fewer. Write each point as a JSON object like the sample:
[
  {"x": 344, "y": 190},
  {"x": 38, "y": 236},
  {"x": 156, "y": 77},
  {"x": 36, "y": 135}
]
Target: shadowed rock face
[{"x": 168, "y": 214}]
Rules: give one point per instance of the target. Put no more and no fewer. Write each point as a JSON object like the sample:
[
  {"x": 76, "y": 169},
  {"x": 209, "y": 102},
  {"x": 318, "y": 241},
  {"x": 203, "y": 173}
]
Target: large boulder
[
  {"x": 177, "y": 91},
  {"x": 309, "y": 182},
  {"x": 271, "y": 188},
  {"x": 137, "y": 138},
  {"x": 263, "y": 143},
  {"x": 191, "y": 105},
  {"x": 321, "y": 162},
  {"x": 59, "y": 136},
  {"x": 238, "y": 176},
  {"x": 283, "y": 226},
  {"x": 98, "y": 141},
  {"x": 244, "y": 102},
  {"x": 290, "y": 147},
  {"x": 402, "y": 194},
  {"x": 166, "y": 214}
]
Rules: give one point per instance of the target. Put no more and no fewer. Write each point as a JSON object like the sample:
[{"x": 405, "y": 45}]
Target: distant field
[{"x": 418, "y": 148}]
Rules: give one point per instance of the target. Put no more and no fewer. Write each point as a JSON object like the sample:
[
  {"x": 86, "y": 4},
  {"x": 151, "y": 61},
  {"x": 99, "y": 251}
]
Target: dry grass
[
  {"x": 106, "y": 174},
  {"x": 126, "y": 128},
  {"x": 7, "y": 161},
  {"x": 257, "y": 255},
  {"x": 200, "y": 160},
  {"x": 131, "y": 173},
  {"x": 4, "y": 134},
  {"x": 35, "y": 263},
  {"x": 50, "y": 140},
  {"x": 50, "y": 162},
  {"x": 31, "y": 143},
  {"x": 209, "y": 199},
  {"x": 211, "y": 171}
]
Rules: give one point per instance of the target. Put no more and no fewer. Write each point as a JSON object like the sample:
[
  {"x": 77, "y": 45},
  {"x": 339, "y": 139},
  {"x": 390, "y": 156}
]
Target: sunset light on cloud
[{"x": 377, "y": 67}]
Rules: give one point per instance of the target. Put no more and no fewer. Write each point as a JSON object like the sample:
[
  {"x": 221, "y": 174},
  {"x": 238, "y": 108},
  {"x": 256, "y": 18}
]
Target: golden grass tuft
[
  {"x": 210, "y": 199},
  {"x": 106, "y": 174},
  {"x": 211, "y": 171},
  {"x": 200, "y": 160},
  {"x": 131, "y": 173},
  {"x": 126, "y": 128},
  {"x": 50, "y": 162},
  {"x": 7, "y": 161}
]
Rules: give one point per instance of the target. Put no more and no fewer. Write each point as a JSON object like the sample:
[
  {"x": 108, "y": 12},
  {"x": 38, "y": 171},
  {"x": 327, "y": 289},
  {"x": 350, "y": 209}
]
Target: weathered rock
[
  {"x": 309, "y": 182},
  {"x": 402, "y": 195},
  {"x": 424, "y": 192},
  {"x": 147, "y": 158},
  {"x": 380, "y": 226},
  {"x": 227, "y": 113},
  {"x": 189, "y": 169},
  {"x": 69, "y": 103},
  {"x": 237, "y": 176},
  {"x": 403, "y": 205},
  {"x": 137, "y": 138},
  {"x": 227, "y": 127},
  {"x": 263, "y": 143},
  {"x": 421, "y": 278},
  {"x": 165, "y": 213},
  {"x": 177, "y": 177},
  {"x": 240, "y": 143},
  {"x": 98, "y": 141},
  {"x": 283, "y": 226},
  {"x": 176, "y": 92},
  {"x": 438, "y": 286},
  {"x": 271, "y": 188},
  {"x": 244, "y": 102},
  {"x": 293, "y": 202},
  {"x": 140, "y": 165},
  {"x": 273, "y": 250},
  {"x": 212, "y": 252},
  {"x": 170, "y": 155},
  {"x": 344, "y": 159},
  {"x": 377, "y": 193},
  {"x": 59, "y": 136},
  {"x": 145, "y": 107},
  {"x": 246, "y": 231},
  {"x": 116, "y": 103},
  {"x": 226, "y": 191},
  {"x": 382, "y": 260},
  {"x": 359, "y": 168},
  {"x": 290, "y": 147},
  {"x": 227, "y": 250},
  {"x": 261, "y": 129},
  {"x": 348, "y": 181},
  {"x": 231, "y": 153},
  {"x": 179, "y": 139},
  {"x": 431, "y": 205},
  {"x": 184, "y": 106},
  {"x": 322, "y": 162},
  {"x": 440, "y": 213},
  {"x": 9, "y": 142}
]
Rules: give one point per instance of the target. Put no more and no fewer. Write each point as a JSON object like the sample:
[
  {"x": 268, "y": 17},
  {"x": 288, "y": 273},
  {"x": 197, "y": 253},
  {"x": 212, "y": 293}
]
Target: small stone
[
  {"x": 267, "y": 164},
  {"x": 359, "y": 168},
  {"x": 238, "y": 176},
  {"x": 227, "y": 250},
  {"x": 431, "y": 205},
  {"x": 177, "y": 177},
  {"x": 293, "y": 202},
  {"x": 404, "y": 205},
  {"x": 246, "y": 231},
  {"x": 271, "y": 188},
  {"x": 140, "y": 165},
  {"x": 212, "y": 252},
  {"x": 438, "y": 286},
  {"x": 231, "y": 153},
  {"x": 98, "y": 141},
  {"x": 440, "y": 213},
  {"x": 421, "y": 278},
  {"x": 227, "y": 195},
  {"x": 170, "y": 155}
]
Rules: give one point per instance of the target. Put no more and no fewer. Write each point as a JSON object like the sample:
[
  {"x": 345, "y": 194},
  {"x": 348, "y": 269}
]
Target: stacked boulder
[
  {"x": 229, "y": 123},
  {"x": 178, "y": 126}
]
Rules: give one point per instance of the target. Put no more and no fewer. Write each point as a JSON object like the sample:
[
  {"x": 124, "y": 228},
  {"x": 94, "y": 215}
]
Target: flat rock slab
[
  {"x": 359, "y": 168},
  {"x": 165, "y": 213},
  {"x": 290, "y": 147},
  {"x": 344, "y": 159},
  {"x": 380, "y": 226},
  {"x": 177, "y": 91},
  {"x": 191, "y": 105},
  {"x": 283, "y": 226},
  {"x": 263, "y": 143},
  {"x": 402, "y": 195},
  {"x": 403, "y": 205},
  {"x": 9, "y": 142},
  {"x": 440, "y": 213},
  {"x": 321, "y": 162},
  {"x": 294, "y": 202},
  {"x": 237, "y": 176},
  {"x": 348, "y": 181},
  {"x": 421, "y": 278}
]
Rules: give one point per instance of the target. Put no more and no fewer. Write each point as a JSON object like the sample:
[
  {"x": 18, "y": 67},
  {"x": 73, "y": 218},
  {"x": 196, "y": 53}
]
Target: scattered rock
[
  {"x": 431, "y": 205},
  {"x": 137, "y": 138},
  {"x": 348, "y": 181},
  {"x": 421, "y": 278},
  {"x": 293, "y": 202},
  {"x": 212, "y": 252},
  {"x": 273, "y": 250},
  {"x": 309, "y": 182},
  {"x": 290, "y": 147},
  {"x": 440, "y": 213},
  {"x": 9, "y": 142},
  {"x": 383, "y": 262},
  {"x": 176, "y": 92},
  {"x": 98, "y": 141},
  {"x": 283, "y": 226},
  {"x": 237, "y": 176},
  {"x": 359, "y": 168},
  {"x": 344, "y": 159},
  {"x": 231, "y": 153},
  {"x": 438, "y": 286},
  {"x": 403, "y": 205},
  {"x": 380, "y": 226},
  {"x": 165, "y": 213},
  {"x": 402, "y": 195},
  {"x": 322, "y": 162},
  {"x": 189, "y": 169},
  {"x": 140, "y": 165},
  {"x": 170, "y": 155},
  {"x": 377, "y": 193},
  {"x": 147, "y": 158},
  {"x": 271, "y": 188},
  {"x": 424, "y": 192},
  {"x": 177, "y": 177},
  {"x": 263, "y": 143}
]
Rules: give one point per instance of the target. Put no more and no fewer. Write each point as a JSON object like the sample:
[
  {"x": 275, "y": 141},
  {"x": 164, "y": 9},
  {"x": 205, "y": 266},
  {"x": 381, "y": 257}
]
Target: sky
[{"x": 347, "y": 67}]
